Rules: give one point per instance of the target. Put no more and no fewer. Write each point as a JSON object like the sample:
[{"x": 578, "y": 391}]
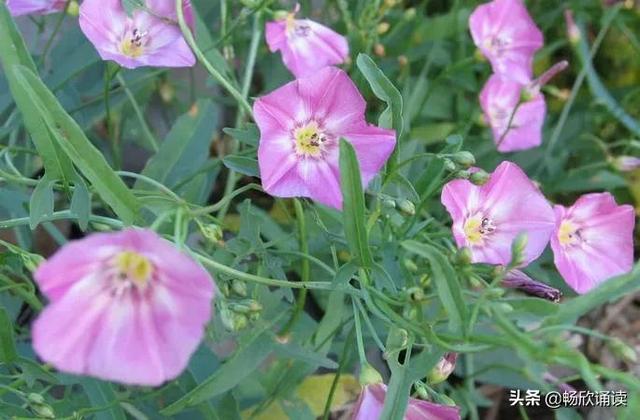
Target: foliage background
[{"x": 172, "y": 150}]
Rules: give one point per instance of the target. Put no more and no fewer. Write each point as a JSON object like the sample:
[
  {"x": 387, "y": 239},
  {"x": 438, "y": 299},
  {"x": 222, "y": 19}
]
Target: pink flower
[
  {"x": 301, "y": 125},
  {"x": 507, "y": 36},
  {"x": 144, "y": 39},
  {"x": 593, "y": 241},
  {"x": 306, "y": 46},
  {"x": 515, "y": 125},
  {"x": 35, "y": 7},
  {"x": 487, "y": 218},
  {"x": 125, "y": 306},
  {"x": 371, "y": 402}
]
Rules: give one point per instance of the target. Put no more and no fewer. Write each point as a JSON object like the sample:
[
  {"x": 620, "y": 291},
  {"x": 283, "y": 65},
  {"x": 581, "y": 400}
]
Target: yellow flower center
[
  {"x": 476, "y": 228},
  {"x": 135, "y": 267},
  {"x": 309, "y": 140},
  {"x": 568, "y": 233},
  {"x": 133, "y": 43}
]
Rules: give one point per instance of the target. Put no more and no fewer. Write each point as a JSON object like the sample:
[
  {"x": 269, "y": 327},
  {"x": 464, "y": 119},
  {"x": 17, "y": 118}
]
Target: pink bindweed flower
[
  {"x": 593, "y": 240},
  {"x": 516, "y": 279},
  {"x": 301, "y": 124},
  {"x": 306, "y": 46},
  {"x": 371, "y": 401},
  {"x": 515, "y": 125},
  {"x": 515, "y": 112},
  {"x": 35, "y": 7},
  {"x": 488, "y": 218},
  {"x": 147, "y": 38},
  {"x": 507, "y": 37},
  {"x": 125, "y": 306}
]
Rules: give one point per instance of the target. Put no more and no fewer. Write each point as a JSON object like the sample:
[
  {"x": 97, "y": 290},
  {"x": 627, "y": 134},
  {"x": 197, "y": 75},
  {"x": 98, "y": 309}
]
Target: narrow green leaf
[
  {"x": 242, "y": 164},
  {"x": 185, "y": 148},
  {"x": 81, "y": 203},
  {"x": 353, "y": 214},
  {"x": 101, "y": 394},
  {"x": 8, "y": 352},
  {"x": 386, "y": 91},
  {"x": 41, "y": 203},
  {"x": 608, "y": 291},
  {"x": 14, "y": 52},
  {"x": 446, "y": 281},
  {"x": 74, "y": 143},
  {"x": 248, "y": 135},
  {"x": 250, "y": 354}
]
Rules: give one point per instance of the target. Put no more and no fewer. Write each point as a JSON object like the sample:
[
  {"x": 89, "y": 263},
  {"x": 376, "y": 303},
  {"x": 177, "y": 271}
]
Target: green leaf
[
  {"x": 81, "y": 203},
  {"x": 353, "y": 214},
  {"x": 386, "y": 91},
  {"x": 446, "y": 281},
  {"x": 242, "y": 164},
  {"x": 185, "y": 148},
  {"x": 8, "y": 352},
  {"x": 248, "y": 135},
  {"x": 252, "y": 351},
  {"x": 41, "y": 203},
  {"x": 101, "y": 394},
  {"x": 13, "y": 52},
  {"x": 608, "y": 291},
  {"x": 74, "y": 143}
]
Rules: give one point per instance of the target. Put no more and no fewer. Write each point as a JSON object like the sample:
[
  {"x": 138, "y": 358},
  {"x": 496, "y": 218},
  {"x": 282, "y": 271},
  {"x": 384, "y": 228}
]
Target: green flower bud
[
  {"x": 415, "y": 294},
  {"x": 463, "y": 256},
  {"x": 211, "y": 232},
  {"x": 239, "y": 287},
  {"x": 73, "y": 9},
  {"x": 43, "y": 411},
  {"x": 479, "y": 178},
  {"x": 36, "y": 398},
  {"x": 389, "y": 203},
  {"x": 495, "y": 292},
  {"x": 464, "y": 159},
  {"x": 410, "y": 13},
  {"x": 407, "y": 208},
  {"x": 369, "y": 376},
  {"x": 517, "y": 249},
  {"x": 410, "y": 265},
  {"x": 450, "y": 165}
]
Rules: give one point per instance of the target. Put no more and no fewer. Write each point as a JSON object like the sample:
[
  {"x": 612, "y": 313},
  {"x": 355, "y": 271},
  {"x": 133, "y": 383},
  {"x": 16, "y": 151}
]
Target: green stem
[
  {"x": 221, "y": 268},
  {"x": 344, "y": 357},
  {"x": 306, "y": 268},
  {"x": 136, "y": 108},
  {"x": 59, "y": 22},
  {"x": 61, "y": 215},
  {"x": 188, "y": 36},
  {"x": 359, "y": 340},
  {"x": 153, "y": 182}
]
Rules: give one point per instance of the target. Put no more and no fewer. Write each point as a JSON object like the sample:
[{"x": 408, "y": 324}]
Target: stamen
[
  {"x": 569, "y": 234},
  {"x": 133, "y": 269},
  {"x": 310, "y": 140},
  {"x": 477, "y": 228},
  {"x": 133, "y": 42}
]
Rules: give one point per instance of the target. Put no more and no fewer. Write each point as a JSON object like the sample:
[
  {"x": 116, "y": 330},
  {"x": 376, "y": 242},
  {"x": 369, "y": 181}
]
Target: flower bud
[
  {"x": 442, "y": 369},
  {"x": 410, "y": 13},
  {"x": 479, "y": 178},
  {"x": 389, "y": 203},
  {"x": 415, "y": 294},
  {"x": 167, "y": 92},
  {"x": 43, "y": 411},
  {"x": 495, "y": 292},
  {"x": 369, "y": 376},
  {"x": 410, "y": 265},
  {"x": 407, "y": 208},
  {"x": 383, "y": 27},
  {"x": 622, "y": 350},
  {"x": 239, "y": 287},
  {"x": 211, "y": 232},
  {"x": 73, "y": 9},
  {"x": 281, "y": 14},
  {"x": 463, "y": 256},
  {"x": 425, "y": 280},
  {"x": 35, "y": 398},
  {"x": 517, "y": 249},
  {"x": 626, "y": 163},
  {"x": 504, "y": 307},
  {"x": 464, "y": 159},
  {"x": 379, "y": 50},
  {"x": 573, "y": 32},
  {"x": 516, "y": 279},
  {"x": 403, "y": 60},
  {"x": 450, "y": 165}
]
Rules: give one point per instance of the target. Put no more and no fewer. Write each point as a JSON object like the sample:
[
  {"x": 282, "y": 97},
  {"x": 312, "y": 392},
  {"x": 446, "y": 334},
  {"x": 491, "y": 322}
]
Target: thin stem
[
  {"x": 344, "y": 357},
  {"x": 306, "y": 268},
  {"x": 221, "y": 268},
  {"x": 61, "y": 215},
  {"x": 59, "y": 22},
  {"x": 188, "y": 36},
  {"x": 360, "y": 342},
  {"x": 153, "y": 182},
  {"x": 136, "y": 108}
]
